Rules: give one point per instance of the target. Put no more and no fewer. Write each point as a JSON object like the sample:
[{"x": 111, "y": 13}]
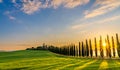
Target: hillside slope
[{"x": 45, "y": 60}]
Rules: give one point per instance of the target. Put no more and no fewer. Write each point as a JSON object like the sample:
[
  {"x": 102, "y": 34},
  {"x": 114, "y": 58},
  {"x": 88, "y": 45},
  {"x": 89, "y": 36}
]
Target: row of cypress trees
[
  {"x": 118, "y": 45},
  {"x": 86, "y": 49}
]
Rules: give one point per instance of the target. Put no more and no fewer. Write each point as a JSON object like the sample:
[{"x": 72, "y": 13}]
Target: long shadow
[
  {"x": 73, "y": 65},
  {"x": 51, "y": 64},
  {"x": 20, "y": 68},
  {"x": 62, "y": 63},
  {"x": 93, "y": 66},
  {"x": 31, "y": 63},
  {"x": 80, "y": 67},
  {"x": 113, "y": 64},
  {"x": 58, "y": 64}
]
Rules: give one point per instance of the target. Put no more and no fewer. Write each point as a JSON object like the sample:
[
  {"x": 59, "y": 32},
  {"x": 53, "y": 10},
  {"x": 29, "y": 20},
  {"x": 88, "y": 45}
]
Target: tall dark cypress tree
[
  {"x": 91, "y": 51},
  {"x": 118, "y": 45},
  {"x": 71, "y": 50},
  {"x": 82, "y": 49},
  {"x": 113, "y": 46},
  {"x": 79, "y": 49},
  {"x": 109, "y": 48},
  {"x": 87, "y": 48},
  {"x": 67, "y": 49},
  {"x": 101, "y": 48},
  {"x": 95, "y": 47},
  {"x": 74, "y": 49}
]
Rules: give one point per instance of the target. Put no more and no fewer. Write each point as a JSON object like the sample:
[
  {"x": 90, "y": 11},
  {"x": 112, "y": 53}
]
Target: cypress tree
[
  {"x": 79, "y": 49},
  {"x": 113, "y": 46},
  {"x": 71, "y": 50},
  {"x": 101, "y": 48},
  {"x": 87, "y": 49},
  {"x": 68, "y": 53},
  {"x": 63, "y": 50},
  {"x": 95, "y": 47},
  {"x": 91, "y": 52},
  {"x": 82, "y": 49},
  {"x": 107, "y": 52},
  {"x": 74, "y": 50},
  {"x": 118, "y": 45},
  {"x": 109, "y": 48}
]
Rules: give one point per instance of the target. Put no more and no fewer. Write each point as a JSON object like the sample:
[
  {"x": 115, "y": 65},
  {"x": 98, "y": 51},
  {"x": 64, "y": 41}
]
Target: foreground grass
[{"x": 45, "y": 60}]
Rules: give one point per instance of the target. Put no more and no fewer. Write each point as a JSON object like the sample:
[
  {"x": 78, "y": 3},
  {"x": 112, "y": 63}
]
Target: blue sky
[{"x": 27, "y": 23}]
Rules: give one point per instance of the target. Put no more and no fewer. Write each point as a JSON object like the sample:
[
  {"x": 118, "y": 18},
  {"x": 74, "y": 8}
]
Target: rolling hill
[{"x": 45, "y": 60}]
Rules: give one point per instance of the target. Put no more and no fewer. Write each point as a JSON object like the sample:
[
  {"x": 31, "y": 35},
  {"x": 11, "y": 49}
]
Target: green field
[{"x": 45, "y": 60}]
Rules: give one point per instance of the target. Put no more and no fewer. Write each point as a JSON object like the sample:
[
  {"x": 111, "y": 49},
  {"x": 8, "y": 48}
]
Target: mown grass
[{"x": 45, "y": 60}]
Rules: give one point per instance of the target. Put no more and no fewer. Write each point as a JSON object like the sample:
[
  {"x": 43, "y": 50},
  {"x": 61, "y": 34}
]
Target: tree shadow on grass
[
  {"x": 53, "y": 66},
  {"x": 84, "y": 65},
  {"x": 20, "y": 68},
  {"x": 93, "y": 66},
  {"x": 113, "y": 65},
  {"x": 73, "y": 65},
  {"x": 51, "y": 63},
  {"x": 115, "y": 68}
]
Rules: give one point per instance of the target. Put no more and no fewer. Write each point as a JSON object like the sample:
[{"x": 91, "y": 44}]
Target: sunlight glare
[{"x": 104, "y": 44}]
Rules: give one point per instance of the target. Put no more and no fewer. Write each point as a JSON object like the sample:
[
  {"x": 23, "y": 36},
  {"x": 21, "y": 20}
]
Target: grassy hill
[{"x": 45, "y": 60}]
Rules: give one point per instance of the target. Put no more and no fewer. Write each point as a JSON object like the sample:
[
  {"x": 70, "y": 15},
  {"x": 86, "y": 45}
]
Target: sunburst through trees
[{"x": 104, "y": 48}]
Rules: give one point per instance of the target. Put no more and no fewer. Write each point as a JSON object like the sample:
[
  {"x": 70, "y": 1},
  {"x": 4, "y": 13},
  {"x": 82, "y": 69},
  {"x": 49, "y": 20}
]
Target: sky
[{"x": 29, "y": 23}]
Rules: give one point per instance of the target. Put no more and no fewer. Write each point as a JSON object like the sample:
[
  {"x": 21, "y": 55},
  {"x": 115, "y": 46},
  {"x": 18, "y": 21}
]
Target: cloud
[
  {"x": 1, "y": 1},
  {"x": 13, "y": 1},
  {"x": 31, "y": 6},
  {"x": 75, "y": 3},
  {"x": 8, "y": 14},
  {"x": 56, "y": 3},
  {"x": 102, "y": 21},
  {"x": 68, "y": 3},
  {"x": 11, "y": 17},
  {"x": 102, "y": 7}
]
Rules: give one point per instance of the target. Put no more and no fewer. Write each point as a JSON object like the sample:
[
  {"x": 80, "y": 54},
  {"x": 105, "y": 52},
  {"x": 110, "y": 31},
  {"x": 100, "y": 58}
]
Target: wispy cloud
[
  {"x": 8, "y": 14},
  {"x": 12, "y": 18},
  {"x": 101, "y": 7},
  {"x": 75, "y": 3},
  {"x": 31, "y": 6},
  {"x": 102, "y": 21},
  {"x": 68, "y": 3}
]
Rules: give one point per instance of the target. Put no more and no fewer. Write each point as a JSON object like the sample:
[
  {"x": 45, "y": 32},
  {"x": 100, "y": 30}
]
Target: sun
[{"x": 104, "y": 44}]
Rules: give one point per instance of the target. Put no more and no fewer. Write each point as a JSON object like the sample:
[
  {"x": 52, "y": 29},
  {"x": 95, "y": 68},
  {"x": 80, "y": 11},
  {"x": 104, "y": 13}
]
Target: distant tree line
[
  {"x": 43, "y": 47},
  {"x": 86, "y": 49}
]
